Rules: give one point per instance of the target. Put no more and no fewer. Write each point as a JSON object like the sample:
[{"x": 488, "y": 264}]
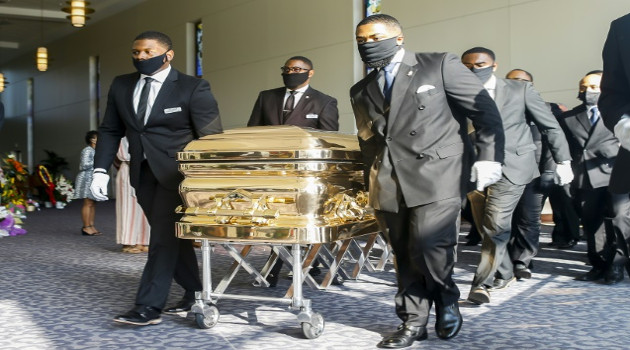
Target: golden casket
[{"x": 275, "y": 184}]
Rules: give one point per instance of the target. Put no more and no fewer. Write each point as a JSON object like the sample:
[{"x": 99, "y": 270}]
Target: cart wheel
[
  {"x": 209, "y": 318},
  {"x": 315, "y": 328}
]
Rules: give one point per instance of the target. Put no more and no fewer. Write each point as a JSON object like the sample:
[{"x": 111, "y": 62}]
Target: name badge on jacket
[
  {"x": 312, "y": 116},
  {"x": 172, "y": 110}
]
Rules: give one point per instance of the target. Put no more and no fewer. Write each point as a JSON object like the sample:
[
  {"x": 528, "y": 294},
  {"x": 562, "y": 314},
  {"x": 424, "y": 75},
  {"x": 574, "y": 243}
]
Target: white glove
[
  {"x": 564, "y": 174},
  {"x": 99, "y": 186},
  {"x": 485, "y": 173},
  {"x": 622, "y": 131}
]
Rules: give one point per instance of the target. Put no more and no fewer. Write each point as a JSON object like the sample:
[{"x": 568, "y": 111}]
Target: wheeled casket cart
[{"x": 283, "y": 186}]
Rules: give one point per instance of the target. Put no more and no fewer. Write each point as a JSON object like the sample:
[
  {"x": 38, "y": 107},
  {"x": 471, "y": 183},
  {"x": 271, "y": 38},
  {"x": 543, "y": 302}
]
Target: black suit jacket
[
  {"x": 519, "y": 104},
  {"x": 417, "y": 146},
  {"x": 593, "y": 148},
  {"x": 183, "y": 110},
  {"x": 314, "y": 110},
  {"x": 614, "y": 100}
]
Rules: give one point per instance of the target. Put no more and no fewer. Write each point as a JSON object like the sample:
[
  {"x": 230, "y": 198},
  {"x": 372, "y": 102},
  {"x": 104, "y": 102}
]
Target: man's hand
[
  {"x": 564, "y": 173},
  {"x": 485, "y": 173},
  {"x": 622, "y": 131},
  {"x": 99, "y": 186}
]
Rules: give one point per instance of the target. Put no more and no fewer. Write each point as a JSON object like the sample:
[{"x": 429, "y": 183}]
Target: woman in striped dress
[{"x": 132, "y": 227}]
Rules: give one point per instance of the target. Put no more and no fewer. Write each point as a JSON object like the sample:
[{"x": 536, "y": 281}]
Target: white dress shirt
[{"x": 156, "y": 85}]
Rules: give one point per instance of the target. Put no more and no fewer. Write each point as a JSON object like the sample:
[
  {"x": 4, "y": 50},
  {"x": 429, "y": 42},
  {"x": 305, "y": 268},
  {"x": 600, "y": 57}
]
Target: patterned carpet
[{"x": 60, "y": 290}]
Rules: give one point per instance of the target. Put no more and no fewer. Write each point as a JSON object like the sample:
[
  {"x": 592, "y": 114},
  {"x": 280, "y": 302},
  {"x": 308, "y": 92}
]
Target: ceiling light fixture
[
  {"x": 78, "y": 9},
  {"x": 42, "y": 59},
  {"x": 2, "y": 82}
]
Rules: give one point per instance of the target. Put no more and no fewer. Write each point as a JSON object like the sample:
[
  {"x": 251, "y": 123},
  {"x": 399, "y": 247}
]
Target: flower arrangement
[
  {"x": 13, "y": 182},
  {"x": 64, "y": 191}
]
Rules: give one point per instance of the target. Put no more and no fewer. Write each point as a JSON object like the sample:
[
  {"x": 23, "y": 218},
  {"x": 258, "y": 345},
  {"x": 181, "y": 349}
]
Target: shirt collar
[
  {"x": 159, "y": 76},
  {"x": 300, "y": 90},
  {"x": 491, "y": 84}
]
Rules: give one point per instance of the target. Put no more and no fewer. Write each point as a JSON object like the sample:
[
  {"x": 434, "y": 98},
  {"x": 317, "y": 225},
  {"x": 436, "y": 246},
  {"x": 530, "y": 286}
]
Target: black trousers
[
  {"x": 423, "y": 239},
  {"x": 565, "y": 215},
  {"x": 605, "y": 219},
  {"x": 169, "y": 257},
  {"x": 523, "y": 244}
]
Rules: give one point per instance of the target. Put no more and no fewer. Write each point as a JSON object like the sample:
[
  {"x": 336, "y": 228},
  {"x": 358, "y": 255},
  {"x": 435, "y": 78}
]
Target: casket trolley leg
[{"x": 207, "y": 314}]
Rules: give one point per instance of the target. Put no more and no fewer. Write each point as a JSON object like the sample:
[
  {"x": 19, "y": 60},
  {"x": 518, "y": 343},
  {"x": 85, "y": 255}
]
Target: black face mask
[
  {"x": 293, "y": 80},
  {"x": 589, "y": 97},
  {"x": 150, "y": 66},
  {"x": 483, "y": 74},
  {"x": 378, "y": 54}
]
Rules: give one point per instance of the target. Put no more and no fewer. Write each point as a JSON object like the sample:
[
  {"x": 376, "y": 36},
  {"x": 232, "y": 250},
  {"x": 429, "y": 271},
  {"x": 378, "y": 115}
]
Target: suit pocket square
[
  {"x": 312, "y": 116},
  {"x": 425, "y": 88},
  {"x": 172, "y": 110}
]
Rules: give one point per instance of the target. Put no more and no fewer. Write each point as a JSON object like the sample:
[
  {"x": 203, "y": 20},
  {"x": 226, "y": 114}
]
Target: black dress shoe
[
  {"x": 473, "y": 241},
  {"x": 568, "y": 245},
  {"x": 140, "y": 316},
  {"x": 593, "y": 275},
  {"x": 448, "y": 321},
  {"x": 404, "y": 337},
  {"x": 183, "y": 305},
  {"x": 613, "y": 275},
  {"x": 522, "y": 272},
  {"x": 500, "y": 283}
]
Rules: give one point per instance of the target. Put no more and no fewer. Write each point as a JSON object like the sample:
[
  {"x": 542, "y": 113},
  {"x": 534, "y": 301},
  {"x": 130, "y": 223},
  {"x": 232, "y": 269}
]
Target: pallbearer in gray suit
[
  {"x": 411, "y": 114},
  {"x": 517, "y": 101},
  {"x": 594, "y": 149}
]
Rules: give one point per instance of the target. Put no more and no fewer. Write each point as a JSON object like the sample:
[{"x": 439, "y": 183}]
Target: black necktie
[
  {"x": 389, "y": 81},
  {"x": 288, "y": 106},
  {"x": 144, "y": 98}
]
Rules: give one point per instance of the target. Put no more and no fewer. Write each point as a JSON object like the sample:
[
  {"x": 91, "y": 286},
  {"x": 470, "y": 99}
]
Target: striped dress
[{"x": 132, "y": 227}]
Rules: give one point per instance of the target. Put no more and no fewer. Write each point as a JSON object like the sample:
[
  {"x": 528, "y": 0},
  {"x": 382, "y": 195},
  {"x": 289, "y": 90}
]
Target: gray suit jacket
[
  {"x": 518, "y": 102},
  {"x": 594, "y": 148},
  {"x": 417, "y": 147},
  {"x": 183, "y": 110},
  {"x": 615, "y": 98}
]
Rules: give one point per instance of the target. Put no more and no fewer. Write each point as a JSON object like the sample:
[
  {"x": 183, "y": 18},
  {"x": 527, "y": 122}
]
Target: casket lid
[{"x": 273, "y": 143}]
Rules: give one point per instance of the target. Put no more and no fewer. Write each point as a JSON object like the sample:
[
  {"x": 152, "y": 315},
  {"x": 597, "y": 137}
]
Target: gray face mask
[
  {"x": 483, "y": 74},
  {"x": 589, "y": 97}
]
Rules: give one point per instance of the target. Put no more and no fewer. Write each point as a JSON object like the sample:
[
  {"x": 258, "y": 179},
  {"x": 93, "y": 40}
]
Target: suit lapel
[
  {"x": 374, "y": 91},
  {"x": 130, "y": 109},
  {"x": 279, "y": 100},
  {"x": 582, "y": 117},
  {"x": 500, "y": 93},
  {"x": 406, "y": 71}
]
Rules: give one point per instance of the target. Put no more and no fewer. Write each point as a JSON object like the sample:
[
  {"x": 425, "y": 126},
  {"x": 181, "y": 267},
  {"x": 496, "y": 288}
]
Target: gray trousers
[{"x": 501, "y": 200}]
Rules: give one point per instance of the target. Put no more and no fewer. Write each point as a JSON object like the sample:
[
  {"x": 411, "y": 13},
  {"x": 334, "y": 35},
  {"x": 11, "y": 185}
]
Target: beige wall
[
  {"x": 246, "y": 41},
  {"x": 558, "y": 41}
]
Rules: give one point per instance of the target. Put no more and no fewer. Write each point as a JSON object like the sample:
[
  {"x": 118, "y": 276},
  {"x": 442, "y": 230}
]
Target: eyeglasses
[{"x": 293, "y": 69}]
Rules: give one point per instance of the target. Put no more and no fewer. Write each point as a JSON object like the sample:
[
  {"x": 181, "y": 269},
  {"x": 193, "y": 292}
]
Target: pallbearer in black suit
[
  {"x": 615, "y": 104},
  {"x": 517, "y": 102},
  {"x": 160, "y": 110},
  {"x": 296, "y": 103},
  {"x": 594, "y": 149},
  {"x": 411, "y": 114},
  {"x": 615, "y": 98}
]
